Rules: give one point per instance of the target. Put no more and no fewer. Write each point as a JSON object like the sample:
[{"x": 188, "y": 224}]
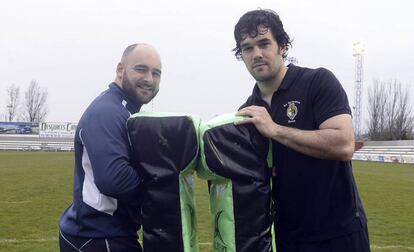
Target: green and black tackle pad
[
  {"x": 234, "y": 159},
  {"x": 165, "y": 148}
]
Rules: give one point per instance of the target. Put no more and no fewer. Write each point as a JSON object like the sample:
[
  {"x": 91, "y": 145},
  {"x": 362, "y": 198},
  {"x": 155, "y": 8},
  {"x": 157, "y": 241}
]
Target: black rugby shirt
[{"x": 315, "y": 199}]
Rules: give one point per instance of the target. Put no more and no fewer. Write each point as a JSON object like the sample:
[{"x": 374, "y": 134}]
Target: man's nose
[
  {"x": 148, "y": 78},
  {"x": 257, "y": 53}
]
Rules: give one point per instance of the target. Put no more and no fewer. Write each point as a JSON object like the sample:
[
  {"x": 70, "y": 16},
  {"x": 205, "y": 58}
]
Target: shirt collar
[
  {"x": 287, "y": 82},
  {"x": 290, "y": 76}
]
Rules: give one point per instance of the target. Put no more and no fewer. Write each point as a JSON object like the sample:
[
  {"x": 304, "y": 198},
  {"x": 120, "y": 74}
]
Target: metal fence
[
  {"x": 35, "y": 143},
  {"x": 386, "y": 151}
]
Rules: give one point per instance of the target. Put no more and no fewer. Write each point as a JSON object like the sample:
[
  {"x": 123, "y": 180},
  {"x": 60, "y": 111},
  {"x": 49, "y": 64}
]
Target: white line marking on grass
[
  {"x": 372, "y": 246},
  {"x": 14, "y": 202},
  {"x": 391, "y": 247},
  {"x": 14, "y": 240}
]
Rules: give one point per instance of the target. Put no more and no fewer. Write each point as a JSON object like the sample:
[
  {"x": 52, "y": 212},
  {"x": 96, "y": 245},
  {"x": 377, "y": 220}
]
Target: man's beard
[
  {"x": 267, "y": 78},
  {"x": 129, "y": 89}
]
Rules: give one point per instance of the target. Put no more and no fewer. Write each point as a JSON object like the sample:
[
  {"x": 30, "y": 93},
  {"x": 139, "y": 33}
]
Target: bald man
[{"x": 104, "y": 215}]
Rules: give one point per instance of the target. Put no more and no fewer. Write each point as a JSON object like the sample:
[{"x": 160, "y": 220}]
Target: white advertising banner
[{"x": 57, "y": 129}]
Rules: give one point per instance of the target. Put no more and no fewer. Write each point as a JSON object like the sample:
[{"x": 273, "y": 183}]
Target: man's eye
[
  {"x": 141, "y": 70},
  {"x": 246, "y": 49}
]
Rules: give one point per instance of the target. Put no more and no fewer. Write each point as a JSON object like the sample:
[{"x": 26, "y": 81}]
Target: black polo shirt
[{"x": 315, "y": 199}]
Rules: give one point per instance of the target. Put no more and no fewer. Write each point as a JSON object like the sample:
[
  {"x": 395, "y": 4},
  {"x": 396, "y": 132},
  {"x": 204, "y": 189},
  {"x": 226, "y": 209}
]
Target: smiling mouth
[
  {"x": 145, "y": 88},
  {"x": 259, "y": 65}
]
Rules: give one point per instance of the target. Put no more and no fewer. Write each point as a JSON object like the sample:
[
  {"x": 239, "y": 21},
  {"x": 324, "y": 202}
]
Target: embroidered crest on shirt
[{"x": 292, "y": 110}]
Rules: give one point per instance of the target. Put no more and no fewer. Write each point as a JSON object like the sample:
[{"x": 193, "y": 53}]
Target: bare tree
[
  {"x": 35, "y": 103},
  {"x": 13, "y": 98},
  {"x": 390, "y": 114},
  {"x": 376, "y": 101},
  {"x": 403, "y": 119}
]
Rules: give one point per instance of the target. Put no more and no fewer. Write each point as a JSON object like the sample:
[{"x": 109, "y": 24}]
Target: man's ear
[
  {"x": 283, "y": 50},
  {"x": 120, "y": 71}
]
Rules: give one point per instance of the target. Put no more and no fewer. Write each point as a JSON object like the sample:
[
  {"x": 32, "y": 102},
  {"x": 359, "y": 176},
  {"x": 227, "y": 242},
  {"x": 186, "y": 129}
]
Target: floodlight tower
[{"x": 359, "y": 67}]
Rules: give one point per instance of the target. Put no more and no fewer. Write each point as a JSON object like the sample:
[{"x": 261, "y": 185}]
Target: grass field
[{"x": 35, "y": 187}]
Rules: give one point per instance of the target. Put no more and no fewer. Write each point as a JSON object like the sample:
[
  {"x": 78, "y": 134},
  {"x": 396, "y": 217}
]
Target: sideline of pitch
[
  {"x": 11, "y": 241},
  {"x": 15, "y": 202}
]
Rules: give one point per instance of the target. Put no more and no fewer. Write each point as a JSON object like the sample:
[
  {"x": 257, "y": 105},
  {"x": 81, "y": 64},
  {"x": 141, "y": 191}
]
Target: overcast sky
[{"x": 72, "y": 47}]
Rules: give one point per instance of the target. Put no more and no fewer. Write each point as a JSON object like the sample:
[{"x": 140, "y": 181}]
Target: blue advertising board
[{"x": 26, "y": 128}]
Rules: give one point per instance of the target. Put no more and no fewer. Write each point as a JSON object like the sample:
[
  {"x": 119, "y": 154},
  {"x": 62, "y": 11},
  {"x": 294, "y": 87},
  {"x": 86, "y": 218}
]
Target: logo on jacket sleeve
[{"x": 292, "y": 110}]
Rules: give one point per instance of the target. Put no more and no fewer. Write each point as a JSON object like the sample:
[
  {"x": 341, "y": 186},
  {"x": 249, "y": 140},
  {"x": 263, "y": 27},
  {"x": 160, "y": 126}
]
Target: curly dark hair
[{"x": 248, "y": 25}]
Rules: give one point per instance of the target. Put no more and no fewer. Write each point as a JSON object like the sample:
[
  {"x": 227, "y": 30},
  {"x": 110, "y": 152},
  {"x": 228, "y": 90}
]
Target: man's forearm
[{"x": 321, "y": 143}]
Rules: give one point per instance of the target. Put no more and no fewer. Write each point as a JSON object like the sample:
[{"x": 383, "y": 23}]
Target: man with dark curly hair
[{"x": 306, "y": 114}]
